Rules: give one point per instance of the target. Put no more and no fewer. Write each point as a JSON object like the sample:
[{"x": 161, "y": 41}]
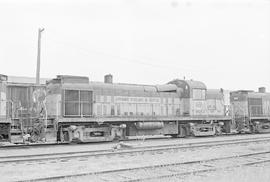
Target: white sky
[{"x": 224, "y": 43}]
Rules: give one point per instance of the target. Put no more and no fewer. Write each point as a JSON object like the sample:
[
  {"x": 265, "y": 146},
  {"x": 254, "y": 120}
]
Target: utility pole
[{"x": 40, "y": 30}]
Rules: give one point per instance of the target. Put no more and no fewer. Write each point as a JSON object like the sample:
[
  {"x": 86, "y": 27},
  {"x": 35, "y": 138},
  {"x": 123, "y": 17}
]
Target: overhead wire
[{"x": 167, "y": 66}]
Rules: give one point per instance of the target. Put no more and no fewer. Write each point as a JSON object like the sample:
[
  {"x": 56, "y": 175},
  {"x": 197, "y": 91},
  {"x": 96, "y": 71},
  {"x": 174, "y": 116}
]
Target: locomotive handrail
[
  {"x": 145, "y": 116},
  {"x": 134, "y": 119}
]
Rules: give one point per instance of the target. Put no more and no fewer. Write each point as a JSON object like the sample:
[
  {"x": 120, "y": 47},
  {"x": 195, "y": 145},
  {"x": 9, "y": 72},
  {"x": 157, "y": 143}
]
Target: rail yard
[{"x": 135, "y": 91}]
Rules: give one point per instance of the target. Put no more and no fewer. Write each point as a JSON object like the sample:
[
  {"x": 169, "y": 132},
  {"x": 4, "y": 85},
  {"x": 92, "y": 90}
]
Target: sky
[{"x": 223, "y": 43}]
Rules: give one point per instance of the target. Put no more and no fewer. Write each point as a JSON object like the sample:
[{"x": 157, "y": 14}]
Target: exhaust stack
[{"x": 108, "y": 78}]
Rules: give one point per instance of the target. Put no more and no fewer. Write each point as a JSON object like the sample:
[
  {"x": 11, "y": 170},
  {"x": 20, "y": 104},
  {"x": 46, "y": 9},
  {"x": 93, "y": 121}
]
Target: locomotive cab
[
  {"x": 204, "y": 107},
  {"x": 195, "y": 107}
]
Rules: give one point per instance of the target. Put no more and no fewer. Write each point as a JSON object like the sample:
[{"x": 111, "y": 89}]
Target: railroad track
[
  {"x": 41, "y": 145},
  {"x": 134, "y": 149},
  {"x": 154, "y": 172}
]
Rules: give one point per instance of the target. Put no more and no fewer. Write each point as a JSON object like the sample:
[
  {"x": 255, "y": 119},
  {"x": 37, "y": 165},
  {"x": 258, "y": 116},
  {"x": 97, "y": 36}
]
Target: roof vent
[
  {"x": 108, "y": 78},
  {"x": 262, "y": 89}
]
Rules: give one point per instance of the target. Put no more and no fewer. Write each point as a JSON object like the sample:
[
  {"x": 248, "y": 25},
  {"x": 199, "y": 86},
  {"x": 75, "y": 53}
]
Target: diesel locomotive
[
  {"x": 19, "y": 107},
  {"x": 251, "y": 110},
  {"x": 94, "y": 111},
  {"x": 75, "y": 109}
]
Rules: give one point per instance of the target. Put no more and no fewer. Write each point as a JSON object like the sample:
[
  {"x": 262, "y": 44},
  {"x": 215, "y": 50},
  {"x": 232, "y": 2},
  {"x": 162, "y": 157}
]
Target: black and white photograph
[{"x": 134, "y": 90}]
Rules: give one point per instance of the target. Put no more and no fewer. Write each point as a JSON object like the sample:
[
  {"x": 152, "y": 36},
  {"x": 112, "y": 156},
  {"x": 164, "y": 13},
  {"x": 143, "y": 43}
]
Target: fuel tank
[{"x": 149, "y": 125}]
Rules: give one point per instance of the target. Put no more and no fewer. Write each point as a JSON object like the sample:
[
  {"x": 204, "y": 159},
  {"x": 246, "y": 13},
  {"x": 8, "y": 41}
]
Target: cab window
[{"x": 198, "y": 94}]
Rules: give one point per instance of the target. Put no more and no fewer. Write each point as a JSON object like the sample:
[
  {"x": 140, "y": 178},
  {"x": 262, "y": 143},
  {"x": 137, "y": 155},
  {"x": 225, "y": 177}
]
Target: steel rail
[
  {"x": 155, "y": 168},
  {"x": 211, "y": 167}
]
